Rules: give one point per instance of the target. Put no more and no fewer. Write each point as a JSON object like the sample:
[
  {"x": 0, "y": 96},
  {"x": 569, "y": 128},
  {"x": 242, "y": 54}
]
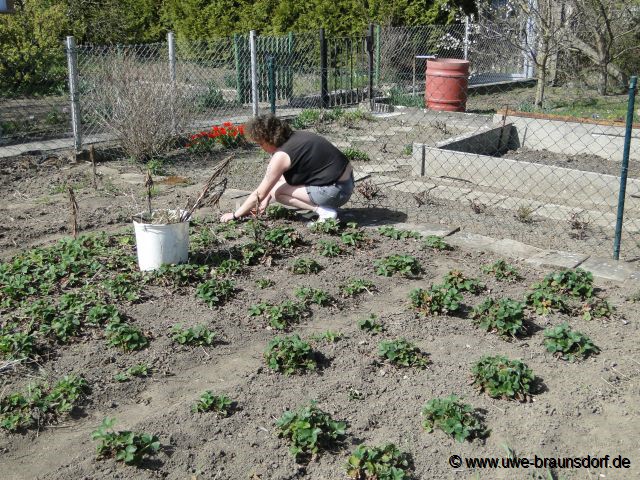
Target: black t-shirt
[{"x": 314, "y": 160}]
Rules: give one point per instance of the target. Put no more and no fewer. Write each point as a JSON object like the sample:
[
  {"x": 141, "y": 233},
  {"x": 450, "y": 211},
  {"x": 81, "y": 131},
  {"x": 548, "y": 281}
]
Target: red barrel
[{"x": 446, "y": 85}]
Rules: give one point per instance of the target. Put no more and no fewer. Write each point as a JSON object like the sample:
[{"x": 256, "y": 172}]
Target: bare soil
[{"x": 580, "y": 408}]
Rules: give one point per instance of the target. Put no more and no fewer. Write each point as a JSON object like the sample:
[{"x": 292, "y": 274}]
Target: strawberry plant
[
  {"x": 353, "y": 237},
  {"x": 282, "y": 237},
  {"x": 437, "y": 300},
  {"x": 124, "y": 286},
  {"x": 279, "y": 212},
  {"x": 16, "y": 346},
  {"x": 101, "y": 313},
  {"x": 263, "y": 283},
  {"x": 329, "y": 248},
  {"x": 453, "y": 417},
  {"x": 567, "y": 343},
  {"x": 436, "y": 243},
  {"x": 403, "y": 353},
  {"x": 215, "y": 292},
  {"x": 457, "y": 280},
  {"x": 500, "y": 377},
  {"x": 199, "y": 335},
  {"x": 43, "y": 404},
  {"x": 313, "y": 295},
  {"x": 289, "y": 355},
  {"x": 543, "y": 300},
  {"x": 125, "y": 336},
  {"x": 305, "y": 266},
  {"x": 310, "y": 430},
  {"x": 180, "y": 275},
  {"x": 253, "y": 253},
  {"x": 356, "y": 286},
  {"x": 124, "y": 446},
  {"x": 379, "y": 463},
  {"x": 227, "y": 268},
  {"x": 329, "y": 336},
  {"x": 370, "y": 325},
  {"x": 280, "y": 316},
  {"x": 140, "y": 370},
  {"x": 396, "y": 234},
  {"x": 596, "y": 307},
  {"x": 404, "y": 265},
  {"x": 502, "y": 271},
  {"x": 577, "y": 283},
  {"x": 504, "y": 316},
  {"x": 219, "y": 404},
  {"x": 330, "y": 226}
]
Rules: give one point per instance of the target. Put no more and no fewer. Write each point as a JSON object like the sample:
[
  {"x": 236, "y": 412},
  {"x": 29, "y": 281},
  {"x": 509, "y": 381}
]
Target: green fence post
[
  {"x": 272, "y": 82},
  {"x": 625, "y": 166},
  {"x": 377, "y": 46}
]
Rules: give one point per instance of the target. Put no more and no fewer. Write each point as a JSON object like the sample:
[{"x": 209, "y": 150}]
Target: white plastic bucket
[{"x": 165, "y": 244}]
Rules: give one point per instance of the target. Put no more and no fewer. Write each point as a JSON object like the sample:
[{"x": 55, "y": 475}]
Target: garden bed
[{"x": 576, "y": 408}]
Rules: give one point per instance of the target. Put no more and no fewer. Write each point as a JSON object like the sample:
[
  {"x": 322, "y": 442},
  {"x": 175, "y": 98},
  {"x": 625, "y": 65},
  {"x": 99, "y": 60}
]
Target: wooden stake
[
  {"x": 148, "y": 183},
  {"x": 74, "y": 211},
  {"x": 92, "y": 157}
]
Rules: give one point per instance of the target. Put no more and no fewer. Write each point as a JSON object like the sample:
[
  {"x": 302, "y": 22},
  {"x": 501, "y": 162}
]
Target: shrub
[
  {"x": 500, "y": 377},
  {"x": 378, "y": 463},
  {"x": 453, "y": 417},
  {"x": 504, "y": 316},
  {"x": 310, "y": 430},
  {"x": 403, "y": 354},
  {"x": 124, "y": 446},
  {"x": 289, "y": 355},
  {"x": 568, "y": 344}
]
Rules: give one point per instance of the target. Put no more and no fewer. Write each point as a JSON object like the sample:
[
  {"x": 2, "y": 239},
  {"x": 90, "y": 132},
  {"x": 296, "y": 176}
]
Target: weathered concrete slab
[
  {"x": 357, "y": 176},
  {"x": 564, "y": 214},
  {"x": 514, "y": 203},
  {"x": 341, "y": 144},
  {"x": 426, "y": 229},
  {"x": 472, "y": 241},
  {"x": 376, "y": 168},
  {"x": 363, "y": 138},
  {"x": 487, "y": 140},
  {"x": 414, "y": 187},
  {"x": 610, "y": 269},
  {"x": 555, "y": 258},
  {"x": 449, "y": 193},
  {"x": 514, "y": 249},
  {"x": 485, "y": 198}
]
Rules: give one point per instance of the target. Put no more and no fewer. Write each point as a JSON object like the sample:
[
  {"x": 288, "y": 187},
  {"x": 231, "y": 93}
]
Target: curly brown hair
[{"x": 268, "y": 128}]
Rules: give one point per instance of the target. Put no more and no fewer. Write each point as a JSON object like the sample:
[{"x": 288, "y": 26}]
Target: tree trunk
[
  {"x": 541, "y": 65},
  {"x": 602, "y": 79},
  {"x": 591, "y": 52}
]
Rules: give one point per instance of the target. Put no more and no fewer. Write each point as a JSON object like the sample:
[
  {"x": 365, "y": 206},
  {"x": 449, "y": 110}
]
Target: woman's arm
[{"x": 278, "y": 164}]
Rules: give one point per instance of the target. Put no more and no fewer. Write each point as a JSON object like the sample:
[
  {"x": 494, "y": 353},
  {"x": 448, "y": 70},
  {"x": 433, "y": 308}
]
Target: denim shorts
[{"x": 332, "y": 196}]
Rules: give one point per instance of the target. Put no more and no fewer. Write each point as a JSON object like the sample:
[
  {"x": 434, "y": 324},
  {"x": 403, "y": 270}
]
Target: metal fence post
[
  {"x": 377, "y": 46},
  {"x": 254, "y": 72},
  {"x": 324, "y": 72},
  {"x": 625, "y": 166},
  {"x": 72, "y": 62},
  {"x": 370, "y": 52},
  {"x": 466, "y": 37},
  {"x": 172, "y": 76}
]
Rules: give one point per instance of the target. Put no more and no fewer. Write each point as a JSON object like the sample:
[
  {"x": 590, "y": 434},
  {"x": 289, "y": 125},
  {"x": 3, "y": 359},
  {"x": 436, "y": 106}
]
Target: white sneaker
[{"x": 325, "y": 213}]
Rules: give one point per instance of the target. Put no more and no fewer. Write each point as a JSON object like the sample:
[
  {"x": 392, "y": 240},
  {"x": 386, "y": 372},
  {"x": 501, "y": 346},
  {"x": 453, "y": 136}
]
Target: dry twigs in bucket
[{"x": 211, "y": 192}]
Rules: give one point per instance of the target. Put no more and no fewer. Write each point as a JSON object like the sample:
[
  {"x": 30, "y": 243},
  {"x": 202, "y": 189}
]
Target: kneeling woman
[{"x": 305, "y": 171}]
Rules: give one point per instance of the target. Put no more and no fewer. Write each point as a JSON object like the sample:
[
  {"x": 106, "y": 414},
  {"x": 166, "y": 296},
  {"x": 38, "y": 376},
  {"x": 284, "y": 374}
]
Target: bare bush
[{"x": 137, "y": 104}]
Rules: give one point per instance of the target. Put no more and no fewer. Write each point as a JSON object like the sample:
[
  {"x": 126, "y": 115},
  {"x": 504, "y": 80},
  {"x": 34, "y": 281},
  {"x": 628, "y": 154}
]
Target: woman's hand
[{"x": 227, "y": 217}]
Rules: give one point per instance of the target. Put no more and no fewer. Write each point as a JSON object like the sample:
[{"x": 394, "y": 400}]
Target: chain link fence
[{"x": 442, "y": 124}]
